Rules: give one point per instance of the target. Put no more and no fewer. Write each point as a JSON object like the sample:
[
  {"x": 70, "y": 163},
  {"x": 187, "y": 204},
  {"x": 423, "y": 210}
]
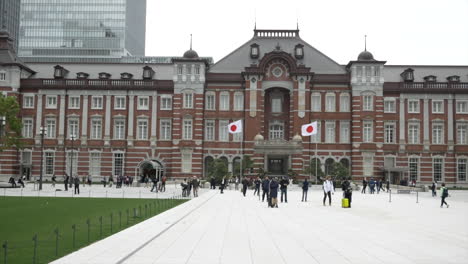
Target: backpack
[{"x": 445, "y": 192}]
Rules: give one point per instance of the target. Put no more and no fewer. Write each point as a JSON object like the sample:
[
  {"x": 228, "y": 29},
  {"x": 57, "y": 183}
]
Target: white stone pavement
[{"x": 229, "y": 228}]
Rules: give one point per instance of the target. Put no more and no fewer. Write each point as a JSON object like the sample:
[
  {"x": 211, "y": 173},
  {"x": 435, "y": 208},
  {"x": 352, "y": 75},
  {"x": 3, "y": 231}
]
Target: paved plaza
[{"x": 230, "y": 228}]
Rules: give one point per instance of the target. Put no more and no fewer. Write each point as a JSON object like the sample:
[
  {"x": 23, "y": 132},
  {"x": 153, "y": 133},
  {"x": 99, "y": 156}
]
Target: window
[
  {"x": 166, "y": 102},
  {"x": 438, "y": 107},
  {"x": 96, "y": 128},
  {"x": 74, "y": 102},
  {"x": 330, "y": 132},
  {"x": 437, "y": 169},
  {"x": 186, "y": 162},
  {"x": 27, "y": 128},
  {"x": 413, "y": 106},
  {"x": 187, "y": 129},
  {"x": 367, "y": 102},
  {"x": 413, "y": 133},
  {"x": 26, "y": 157},
  {"x": 237, "y": 137},
  {"x": 118, "y": 164},
  {"x": 462, "y": 133},
  {"x": 28, "y": 101},
  {"x": 344, "y": 132},
  {"x": 462, "y": 107},
  {"x": 209, "y": 130},
  {"x": 367, "y": 131},
  {"x": 316, "y": 103},
  {"x": 119, "y": 102},
  {"x": 359, "y": 71},
  {"x": 189, "y": 69},
  {"x": 143, "y": 103},
  {"x": 188, "y": 100},
  {"x": 413, "y": 169},
  {"x": 276, "y": 130},
  {"x": 210, "y": 101},
  {"x": 72, "y": 159},
  {"x": 344, "y": 102},
  {"x": 119, "y": 129},
  {"x": 142, "y": 129},
  {"x": 330, "y": 103},
  {"x": 317, "y": 137},
  {"x": 2, "y": 76},
  {"x": 389, "y": 106},
  {"x": 73, "y": 128},
  {"x": 165, "y": 132},
  {"x": 180, "y": 70},
  {"x": 50, "y": 128},
  {"x": 461, "y": 169},
  {"x": 224, "y": 101},
  {"x": 49, "y": 163},
  {"x": 223, "y": 134},
  {"x": 197, "y": 69},
  {"x": 276, "y": 105},
  {"x": 238, "y": 102},
  {"x": 96, "y": 102},
  {"x": 389, "y": 133},
  {"x": 437, "y": 133},
  {"x": 368, "y": 165},
  {"x": 95, "y": 164},
  {"x": 51, "y": 102}
]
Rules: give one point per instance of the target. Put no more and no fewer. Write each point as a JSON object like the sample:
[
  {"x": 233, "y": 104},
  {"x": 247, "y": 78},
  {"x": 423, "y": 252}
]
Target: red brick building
[{"x": 171, "y": 114}]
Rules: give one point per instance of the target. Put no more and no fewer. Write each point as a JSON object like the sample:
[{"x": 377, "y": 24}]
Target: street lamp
[
  {"x": 42, "y": 132},
  {"x": 2, "y": 124},
  {"x": 72, "y": 137}
]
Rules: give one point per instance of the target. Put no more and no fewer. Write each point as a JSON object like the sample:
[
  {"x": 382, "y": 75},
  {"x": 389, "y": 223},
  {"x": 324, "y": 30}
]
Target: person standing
[
  {"x": 111, "y": 181},
  {"x": 163, "y": 184},
  {"x": 433, "y": 189},
  {"x": 327, "y": 190},
  {"x": 284, "y": 189},
  {"x": 372, "y": 185},
  {"x": 21, "y": 182},
  {"x": 347, "y": 191},
  {"x": 444, "y": 195},
  {"x": 67, "y": 178},
  {"x": 195, "y": 184},
  {"x": 305, "y": 189},
  {"x": 377, "y": 185},
  {"x": 364, "y": 185},
  {"x": 274, "y": 193},
  {"x": 265, "y": 188},
  {"x": 77, "y": 185},
  {"x": 54, "y": 180},
  {"x": 388, "y": 186},
  {"x": 155, "y": 184},
  {"x": 223, "y": 184},
  {"x": 245, "y": 184},
  {"x": 184, "y": 186},
  {"x": 257, "y": 183},
  {"x": 212, "y": 183}
]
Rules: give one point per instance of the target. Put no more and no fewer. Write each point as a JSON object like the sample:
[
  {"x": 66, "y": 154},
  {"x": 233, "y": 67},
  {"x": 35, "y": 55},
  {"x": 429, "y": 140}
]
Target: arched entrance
[{"x": 150, "y": 168}]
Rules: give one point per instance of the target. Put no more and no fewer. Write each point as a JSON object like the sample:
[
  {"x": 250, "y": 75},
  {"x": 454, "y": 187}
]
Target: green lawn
[{"x": 22, "y": 218}]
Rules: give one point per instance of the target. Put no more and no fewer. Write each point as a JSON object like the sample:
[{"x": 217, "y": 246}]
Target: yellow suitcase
[{"x": 345, "y": 203}]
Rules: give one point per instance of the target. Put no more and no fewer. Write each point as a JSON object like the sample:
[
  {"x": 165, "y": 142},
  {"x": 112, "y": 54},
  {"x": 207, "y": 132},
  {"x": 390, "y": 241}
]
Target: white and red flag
[
  {"x": 309, "y": 129},
  {"x": 235, "y": 127}
]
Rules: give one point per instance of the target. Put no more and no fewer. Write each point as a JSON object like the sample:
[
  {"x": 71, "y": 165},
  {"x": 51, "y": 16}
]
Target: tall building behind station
[{"x": 10, "y": 19}]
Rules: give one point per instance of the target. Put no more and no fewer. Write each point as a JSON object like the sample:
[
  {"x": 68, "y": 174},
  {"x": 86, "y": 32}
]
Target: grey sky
[{"x": 417, "y": 32}]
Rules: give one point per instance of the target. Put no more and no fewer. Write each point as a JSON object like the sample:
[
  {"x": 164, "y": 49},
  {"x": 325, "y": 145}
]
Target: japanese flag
[
  {"x": 309, "y": 129},
  {"x": 235, "y": 127}
]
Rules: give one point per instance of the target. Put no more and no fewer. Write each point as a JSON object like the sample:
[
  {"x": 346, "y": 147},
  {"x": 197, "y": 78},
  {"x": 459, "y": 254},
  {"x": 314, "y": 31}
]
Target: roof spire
[
  {"x": 190, "y": 41},
  {"x": 365, "y": 42},
  {"x": 255, "y": 20}
]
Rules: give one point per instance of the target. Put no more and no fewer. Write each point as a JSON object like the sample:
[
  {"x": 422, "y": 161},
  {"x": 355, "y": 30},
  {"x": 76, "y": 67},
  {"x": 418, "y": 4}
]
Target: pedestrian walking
[
  {"x": 274, "y": 193},
  {"x": 245, "y": 184},
  {"x": 364, "y": 185},
  {"x": 163, "y": 184},
  {"x": 54, "y": 180},
  {"x": 257, "y": 183},
  {"x": 433, "y": 188},
  {"x": 347, "y": 191},
  {"x": 111, "y": 181},
  {"x": 327, "y": 190},
  {"x": 65, "y": 181},
  {"x": 90, "y": 179},
  {"x": 236, "y": 184},
  {"x": 372, "y": 185},
  {"x": 155, "y": 184},
  {"x": 21, "y": 182},
  {"x": 77, "y": 185},
  {"x": 265, "y": 188},
  {"x": 212, "y": 183},
  {"x": 195, "y": 184},
  {"x": 305, "y": 189},
  {"x": 184, "y": 186},
  {"x": 444, "y": 195},
  {"x": 223, "y": 184},
  {"x": 378, "y": 185},
  {"x": 284, "y": 189}
]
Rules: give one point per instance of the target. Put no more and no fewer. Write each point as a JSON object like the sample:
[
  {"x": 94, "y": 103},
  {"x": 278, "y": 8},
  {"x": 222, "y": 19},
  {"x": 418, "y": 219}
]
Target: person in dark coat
[
  {"x": 265, "y": 188},
  {"x": 195, "y": 184},
  {"x": 21, "y": 182},
  {"x": 305, "y": 189},
  {"x": 212, "y": 183},
  {"x": 12, "y": 182},
  {"x": 372, "y": 186},
  {"x": 364, "y": 185},
  {"x": 257, "y": 183},
  {"x": 245, "y": 184},
  {"x": 76, "y": 181},
  {"x": 388, "y": 186},
  {"x": 378, "y": 185},
  {"x": 184, "y": 186},
  {"x": 155, "y": 184},
  {"x": 347, "y": 191},
  {"x": 284, "y": 189},
  {"x": 274, "y": 193},
  {"x": 433, "y": 188},
  {"x": 223, "y": 184},
  {"x": 67, "y": 178}
]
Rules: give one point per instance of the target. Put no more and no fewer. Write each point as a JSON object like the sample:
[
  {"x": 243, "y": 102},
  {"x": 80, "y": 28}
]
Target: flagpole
[{"x": 316, "y": 160}]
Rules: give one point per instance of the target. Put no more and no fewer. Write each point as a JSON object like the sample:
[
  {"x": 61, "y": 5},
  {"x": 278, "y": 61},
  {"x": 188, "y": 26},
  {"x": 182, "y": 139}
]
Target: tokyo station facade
[{"x": 171, "y": 114}]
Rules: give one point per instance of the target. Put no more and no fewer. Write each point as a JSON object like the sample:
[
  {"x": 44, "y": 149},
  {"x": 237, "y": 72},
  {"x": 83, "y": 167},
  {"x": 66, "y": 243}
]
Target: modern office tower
[
  {"x": 9, "y": 18},
  {"x": 82, "y": 28}
]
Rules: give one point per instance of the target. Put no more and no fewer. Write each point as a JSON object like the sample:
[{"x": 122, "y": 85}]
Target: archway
[
  {"x": 208, "y": 166},
  {"x": 345, "y": 162},
  {"x": 152, "y": 169},
  {"x": 328, "y": 166}
]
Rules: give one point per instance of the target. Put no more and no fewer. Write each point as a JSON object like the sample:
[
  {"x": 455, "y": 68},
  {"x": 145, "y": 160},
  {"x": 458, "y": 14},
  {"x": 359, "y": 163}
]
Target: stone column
[
  {"x": 450, "y": 124},
  {"x": 131, "y": 105},
  {"x": 84, "y": 121},
  {"x": 107, "y": 120},
  {"x": 402, "y": 124},
  {"x": 426, "y": 140},
  {"x": 38, "y": 119},
  {"x": 154, "y": 119},
  {"x": 62, "y": 115}
]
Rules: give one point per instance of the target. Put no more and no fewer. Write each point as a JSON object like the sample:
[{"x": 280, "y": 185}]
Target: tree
[
  {"x": 315, "y": 166},
  {"x": 217, "y": 169},
  {"x": 339, "y": 171},
  {"x": 10, "y": 134},
  {"x": 247, "y": 163}
]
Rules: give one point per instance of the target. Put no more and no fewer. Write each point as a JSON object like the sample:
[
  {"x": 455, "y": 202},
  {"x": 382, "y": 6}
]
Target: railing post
[
  {"x": 139, "y": 211},
  {"x": 88, "y": 222},
  {"x": 127, "y": 217},
  {"x": 5, "y": 251},
  {"x": 417, "y": 196},
  {"x": 100, "y": 226},
  {"x": 35, "y": 248},
  {"x": 74, "y": 231},
  {"x": 56, "y": 231},
  {"x": 390, "y": 196},
  {"x": 146, "y": 210},
  {"x": 111, "y": 222},
  {"x": 120, "y": 219}
]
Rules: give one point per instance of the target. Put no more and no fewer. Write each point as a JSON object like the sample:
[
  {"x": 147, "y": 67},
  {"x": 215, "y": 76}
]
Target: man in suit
[
  {"x": 77, "y": 185},
  {"x": 266, "y": 188},
  {"x": 284, "y": 189}
]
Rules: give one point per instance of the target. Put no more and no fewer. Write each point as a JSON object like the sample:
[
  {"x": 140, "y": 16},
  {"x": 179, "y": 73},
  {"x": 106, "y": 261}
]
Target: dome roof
[
  {"x": 365, "y": 56},
  {"x": 297, "y": 138},
  {"x": 259, "y": 137},
  {"x": 191, "y": 54}
]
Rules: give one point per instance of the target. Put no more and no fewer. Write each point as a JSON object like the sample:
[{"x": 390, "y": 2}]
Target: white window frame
[
  {"x": 414, "y": 106},
  {"x": 389, "y": 133},
  {"x": 187, "y": 129},
  {"x": 435, "y": 160},
  {"x": 462, "y": 173},
  {"x": 437, "y": 135},
  {"x": 391, "y": 101},
  {"x": 462, "y": 133},
  {"x": 3, "y": 76},
  {"x": 141, "y": 104},
  {"x": 29, "y": 133},
  {"x": 69, "y": 161},
  {"x": 368, "y": 165},
  {"x": 367, "y": 102},
  {"x": 210, "y": 129},
  {"x": 120, "y": 102},
  {"x": 75, "y": 130},
  {"x": 188, "y": 98},
  {"x": 436, "y": 102},
  {"x": 276, "y": 130},
  {"x": 316, "y": 107},
  {"x": 96, "y": 133},
  {"x": 95, "y": 163},
  {"x": 330, "y": 129},
  {"x": 238, "y": 101},
  {"x": 142, "y": 128},
  {"x": 50, "y": 104},
  {"x": 186, "y": 162},
  {"x": 97, "y": 102},
  {"x": 414, "y": 160},
  {"x": 462, "y": 106},
  {"x": 224, "y": 99},
  {"x": 74, "y": 102},
  {"x": 345, "y": 100},
  {"x": 367, "y": 131},
  {"x": 330, "y": 105},
  {"x": 51, "y": 128},
  {"x": 166, "y": 102},
  {"x": 115, "y": 169},
  {"x": 119, "y": 129},
  {"x": 28, "y": 101},
  {"x": 345, "y": 128},
  {"x": 413, "y": 138},
  {"x": 49, "y": 169},
  {"x": 223, "y": 134},
  {"x": 210, "y": 103},
  {"x": 165, "y": 129}
]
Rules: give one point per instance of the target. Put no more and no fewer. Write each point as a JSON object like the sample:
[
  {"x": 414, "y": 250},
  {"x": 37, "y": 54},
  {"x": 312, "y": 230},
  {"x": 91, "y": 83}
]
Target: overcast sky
[{"x": 408, "y": 32}]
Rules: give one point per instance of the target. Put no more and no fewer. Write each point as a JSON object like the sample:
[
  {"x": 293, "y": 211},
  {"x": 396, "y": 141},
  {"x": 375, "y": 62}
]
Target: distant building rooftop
[{"x": 129, "y": 59}]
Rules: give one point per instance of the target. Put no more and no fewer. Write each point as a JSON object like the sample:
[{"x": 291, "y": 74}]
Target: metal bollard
[
  {"x": 74, "y": 232},
  {"x": 417, "y": 196},
  {"x": 35, "y": 248},
  {"x": 390, "y": 196},
  {"x": 56, "y": 231},
  {"x": 123, "y": 193},
  {"x": 5, "y": 250}
]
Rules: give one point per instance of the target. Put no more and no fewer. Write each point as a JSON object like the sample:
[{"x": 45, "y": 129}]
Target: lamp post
[
  {"x": 72, "y": 138},
  {"x": 42, "y": 132},
  {"x": 2, "y": 125}
]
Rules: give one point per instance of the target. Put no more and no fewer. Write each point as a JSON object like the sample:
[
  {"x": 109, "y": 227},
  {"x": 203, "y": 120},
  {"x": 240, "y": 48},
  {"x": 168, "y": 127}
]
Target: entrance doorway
[
  {"x": 277, "y": 165},
  {"x": 151, "y": 169}
]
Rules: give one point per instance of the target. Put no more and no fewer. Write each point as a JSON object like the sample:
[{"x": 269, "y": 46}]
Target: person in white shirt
[{"x": 327, "y": 190}]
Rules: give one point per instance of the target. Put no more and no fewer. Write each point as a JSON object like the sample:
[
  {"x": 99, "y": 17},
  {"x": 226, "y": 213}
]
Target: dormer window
[
  {"x": 408, "y": 75},
  {"x": 430, "y": 78},
  {"x": 299, "y": 51},
  {"x": 148, "y": 73},
  {"x": 59, "y": 72},
  {"x": 126, "y": 75},
  {"x": 453, "y": 78},
  {"x": 82, "y": 75},
  {"x": 254, "y": 51},
  {"x": 104, "y": 75}
]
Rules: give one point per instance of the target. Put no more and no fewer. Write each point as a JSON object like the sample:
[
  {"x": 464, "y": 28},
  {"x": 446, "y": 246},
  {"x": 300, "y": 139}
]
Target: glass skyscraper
[
  {"x": 9, "y": 18},
  {"x": 82, "y": 28}
]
